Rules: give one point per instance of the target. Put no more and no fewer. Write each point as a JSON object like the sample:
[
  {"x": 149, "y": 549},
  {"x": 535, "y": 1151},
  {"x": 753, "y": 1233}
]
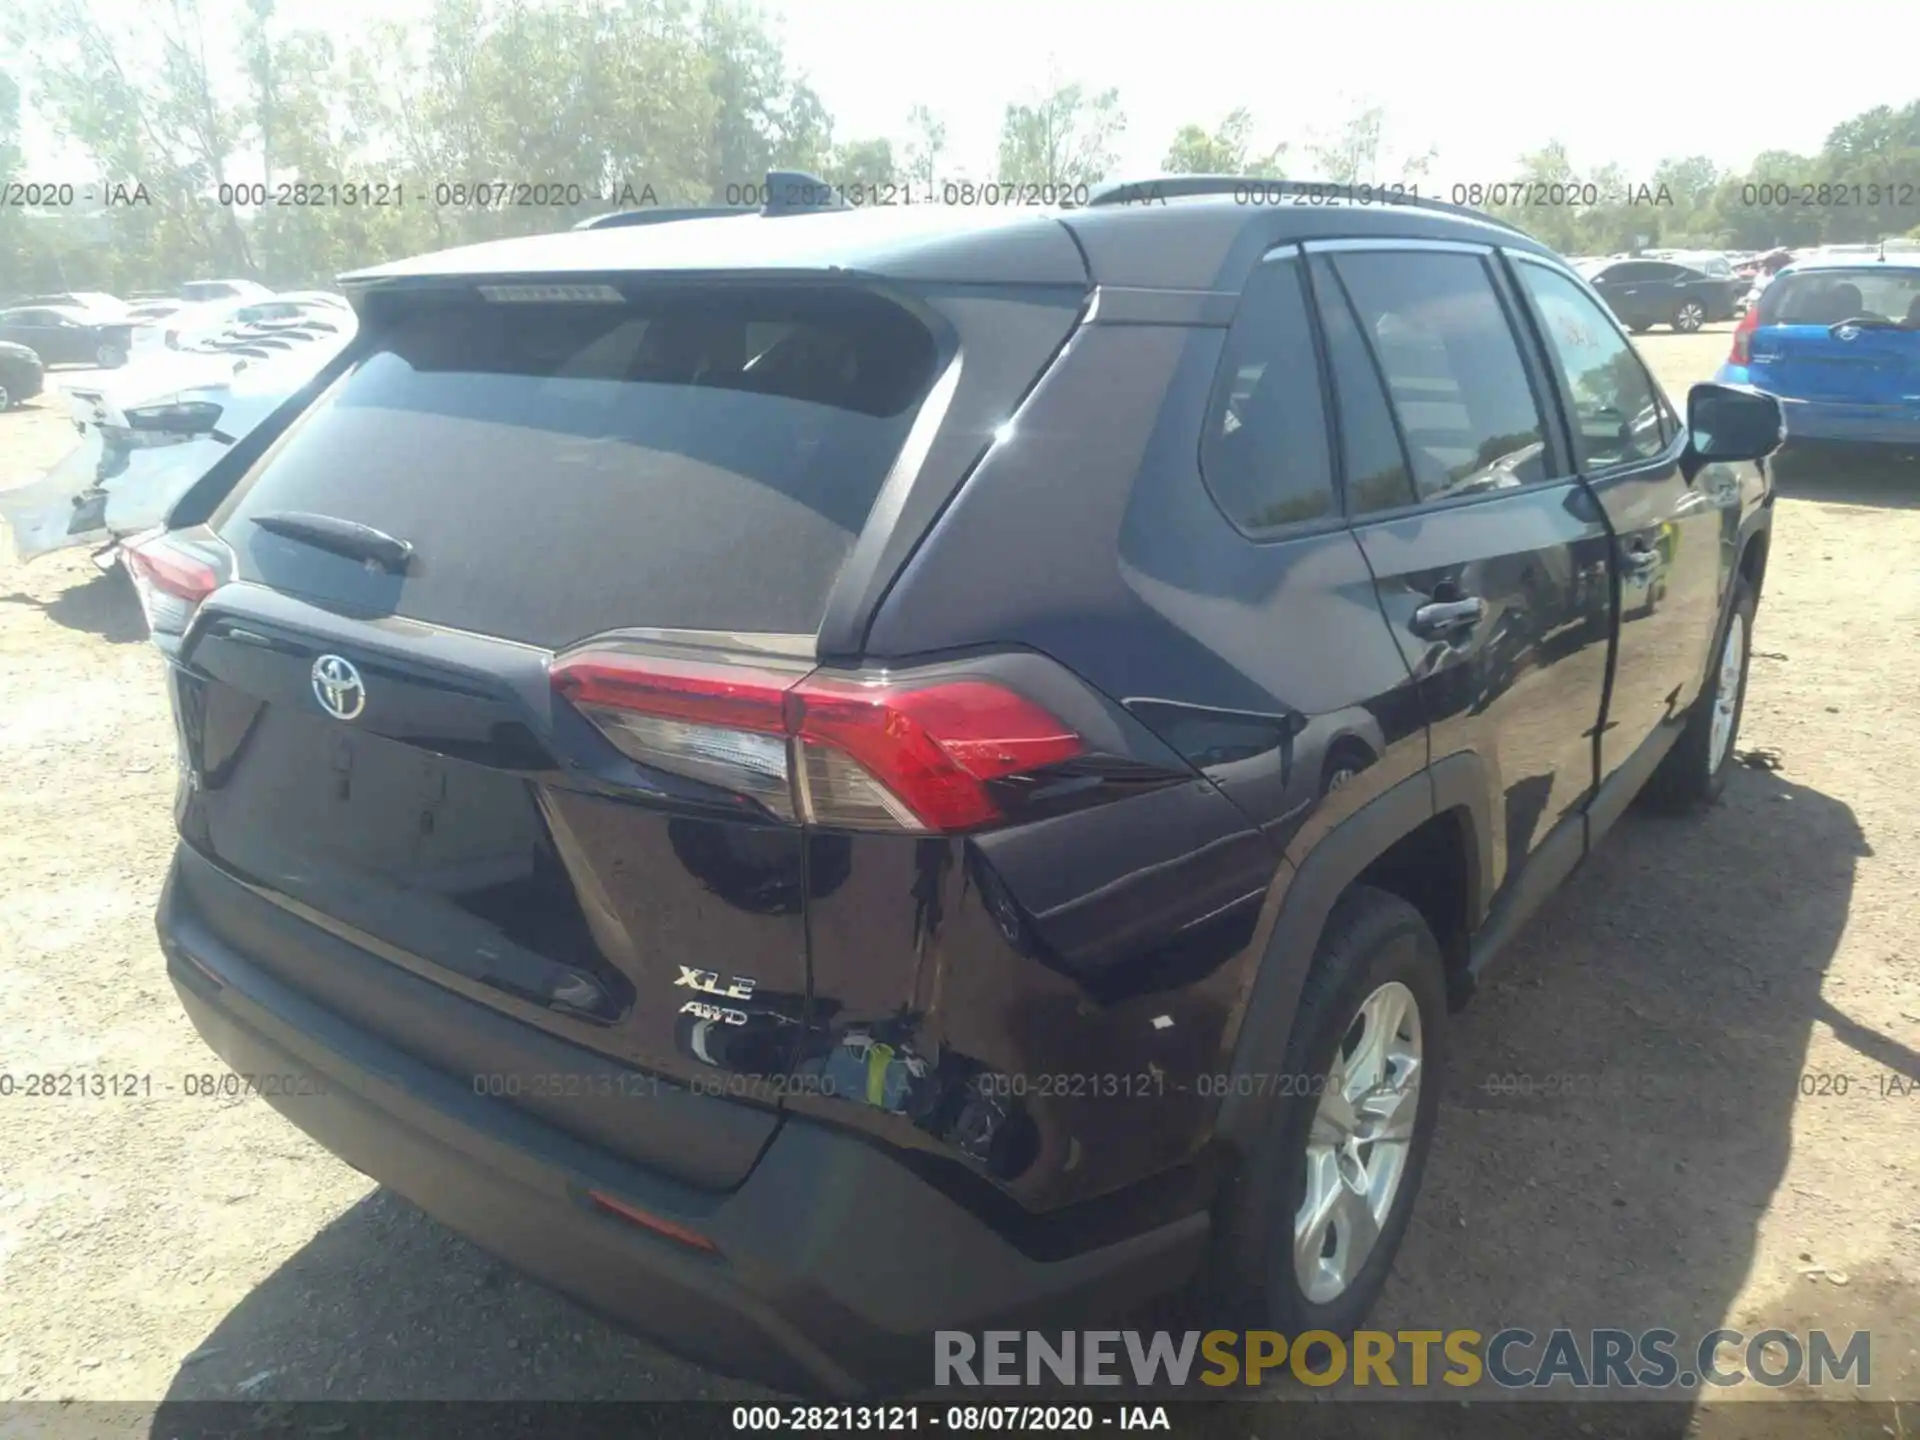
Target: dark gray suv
[{"x": 812, "y": 778}]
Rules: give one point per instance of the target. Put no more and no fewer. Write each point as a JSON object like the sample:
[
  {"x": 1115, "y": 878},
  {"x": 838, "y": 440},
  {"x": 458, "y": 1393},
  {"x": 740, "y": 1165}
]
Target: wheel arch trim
[{"x": 1304, "y": 897}]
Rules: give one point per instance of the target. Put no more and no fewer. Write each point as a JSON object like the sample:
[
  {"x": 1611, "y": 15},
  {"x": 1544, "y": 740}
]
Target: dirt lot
[{"x": 1743, "y": 968}]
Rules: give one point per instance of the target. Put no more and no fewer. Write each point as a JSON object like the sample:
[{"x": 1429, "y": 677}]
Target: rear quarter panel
[{"x": 1124, "y": 941}]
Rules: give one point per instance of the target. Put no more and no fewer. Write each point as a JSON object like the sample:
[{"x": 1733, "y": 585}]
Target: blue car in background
[{"x": 1837, "y": 339}]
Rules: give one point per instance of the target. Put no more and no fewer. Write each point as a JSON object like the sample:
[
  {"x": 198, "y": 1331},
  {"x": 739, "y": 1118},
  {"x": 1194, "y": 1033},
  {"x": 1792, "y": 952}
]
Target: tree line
[{"x": 198, "y": 110}]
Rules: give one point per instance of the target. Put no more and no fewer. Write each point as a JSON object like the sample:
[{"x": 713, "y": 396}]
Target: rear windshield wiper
[{"x": 342, "y": 537}]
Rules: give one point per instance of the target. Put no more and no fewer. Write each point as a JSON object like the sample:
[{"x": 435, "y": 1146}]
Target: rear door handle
[{"x": 1443, "y": 618}]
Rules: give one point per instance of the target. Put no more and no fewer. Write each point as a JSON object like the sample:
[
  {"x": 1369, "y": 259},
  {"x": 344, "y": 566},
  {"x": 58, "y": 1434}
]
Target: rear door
[
  {"x": 375, "y": 748},
  {"x": 1664, "y": 289},
  {"x": 1841, "y": 335},
  {"x": 1489, "y": 557},
  {"x": 1621, "y": 287}
]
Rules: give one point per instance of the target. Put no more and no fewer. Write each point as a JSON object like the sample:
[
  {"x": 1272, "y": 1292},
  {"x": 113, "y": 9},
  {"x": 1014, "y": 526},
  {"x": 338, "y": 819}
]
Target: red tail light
[
  {"x": 882, "y": 754},
  {"x": 170, "y": 582},
  {"x": 1742, "y": 352},
  {"x": 633, "y": 1215}
]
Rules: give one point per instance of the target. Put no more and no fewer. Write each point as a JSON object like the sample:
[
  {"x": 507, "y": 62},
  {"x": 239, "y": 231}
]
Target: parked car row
[
  {"x": 70, "y": 335},
  {"x": 153, "y": 428},
  {"x": 93, "y": 328},
  {"x": 1644, "y": 293}
]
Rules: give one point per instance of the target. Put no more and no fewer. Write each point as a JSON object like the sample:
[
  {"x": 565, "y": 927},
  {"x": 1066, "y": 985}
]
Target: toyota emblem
[{"x": 338, "y": 687}]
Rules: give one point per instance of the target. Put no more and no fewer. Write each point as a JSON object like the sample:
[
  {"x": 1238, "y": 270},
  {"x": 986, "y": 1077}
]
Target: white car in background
[
  {"x": 150, "y": 431},
  {"x": 202, "y": 291},
  {"x": 200, "y": 326}
]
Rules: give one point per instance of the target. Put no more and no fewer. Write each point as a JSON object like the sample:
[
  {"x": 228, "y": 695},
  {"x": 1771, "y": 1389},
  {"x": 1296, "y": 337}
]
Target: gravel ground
[{"x": 1741, "y": 968}]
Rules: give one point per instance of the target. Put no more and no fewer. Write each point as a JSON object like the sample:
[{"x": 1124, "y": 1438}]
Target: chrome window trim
[{"x": 1455, "y": 247}]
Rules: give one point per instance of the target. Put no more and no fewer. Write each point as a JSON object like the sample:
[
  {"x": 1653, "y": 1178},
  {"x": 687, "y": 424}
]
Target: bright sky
[{"x": 1630, "y": 81}]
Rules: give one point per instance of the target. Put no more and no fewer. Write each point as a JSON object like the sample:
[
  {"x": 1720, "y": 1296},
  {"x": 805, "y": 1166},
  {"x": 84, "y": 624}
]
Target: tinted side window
[
  {"x": 1452, "y": 367},
  {"x": 1373, "y": 466},
  {"x": 1616, "y": 411},
  {"x": 1264, "y": 450}
]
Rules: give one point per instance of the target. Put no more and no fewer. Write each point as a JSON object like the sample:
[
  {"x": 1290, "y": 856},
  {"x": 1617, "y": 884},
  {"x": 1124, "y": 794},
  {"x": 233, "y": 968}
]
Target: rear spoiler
[{"x": 787, "y": 192}]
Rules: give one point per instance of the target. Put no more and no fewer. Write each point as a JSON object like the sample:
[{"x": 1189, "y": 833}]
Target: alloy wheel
[
  {"x": 1359, "y": 1143},
  {"x": 1691, "y": 317},
  {"x": 1726, "y": 697}
]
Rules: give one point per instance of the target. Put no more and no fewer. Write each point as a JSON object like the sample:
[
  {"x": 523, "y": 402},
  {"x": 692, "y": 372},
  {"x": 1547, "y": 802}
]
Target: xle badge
[{"x": 708, "y": 983}]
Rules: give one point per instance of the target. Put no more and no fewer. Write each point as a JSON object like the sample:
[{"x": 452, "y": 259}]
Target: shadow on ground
[
  {"x": 1849, "y": 476},
  {"x": 103, "y": 604},
  {"x": 1619, "y": 1102},
  {"x": 1621, "y": 1097}
]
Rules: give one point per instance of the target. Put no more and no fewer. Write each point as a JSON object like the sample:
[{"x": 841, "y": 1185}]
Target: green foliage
[
  {"x": 592, "y": 104},
  {"x": 1226, "y": 151},
  {"x": 862, "y": 165},
  {"x": 926, "y": 144},
  {"x": 1064, "y": 139},
  {"x": 1357, "y": 153},
  {"x": 599, "y": 104},
  {"x": 1862, "y": 186},
  {"x": 13, "y": 256}
]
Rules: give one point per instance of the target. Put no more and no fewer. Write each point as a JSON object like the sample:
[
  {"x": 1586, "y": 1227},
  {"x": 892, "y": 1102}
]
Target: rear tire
[
  {"x": 1377, "y": 979},
  {"x": 111, "y": 357},
  {"x": 1688, "y": 319},
  {"x": 1695, "y": 769},
  {"x": 6, "y": 400}
]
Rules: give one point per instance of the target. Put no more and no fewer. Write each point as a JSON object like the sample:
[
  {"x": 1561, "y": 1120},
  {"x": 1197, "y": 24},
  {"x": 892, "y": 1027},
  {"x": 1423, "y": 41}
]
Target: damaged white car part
[{"x": 149, "y": 434}]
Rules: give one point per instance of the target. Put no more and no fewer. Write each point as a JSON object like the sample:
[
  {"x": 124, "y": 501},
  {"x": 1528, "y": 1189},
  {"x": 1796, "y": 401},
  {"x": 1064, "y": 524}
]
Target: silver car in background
[{"x": 149, "y": 432}]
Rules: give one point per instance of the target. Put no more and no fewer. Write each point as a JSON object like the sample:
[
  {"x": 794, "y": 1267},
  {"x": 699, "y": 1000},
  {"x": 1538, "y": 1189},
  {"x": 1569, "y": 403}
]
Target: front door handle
[{"x": 1444, "y": 618}]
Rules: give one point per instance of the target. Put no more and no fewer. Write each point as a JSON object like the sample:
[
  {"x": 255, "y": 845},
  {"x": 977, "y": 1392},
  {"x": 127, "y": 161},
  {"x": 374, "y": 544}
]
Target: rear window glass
[
  {"x": 1264, "y": 451},
  {"x": 1452, "y": 367},
  {"x": 1374, "y": 465},
  {"x": 702, "y": 460},
  {"x": 1826, "y": 297}
]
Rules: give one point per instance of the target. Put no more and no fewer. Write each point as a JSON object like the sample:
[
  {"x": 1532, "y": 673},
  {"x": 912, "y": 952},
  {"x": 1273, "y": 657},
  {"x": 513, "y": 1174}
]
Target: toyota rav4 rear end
[{"x": 551, "y": 841}]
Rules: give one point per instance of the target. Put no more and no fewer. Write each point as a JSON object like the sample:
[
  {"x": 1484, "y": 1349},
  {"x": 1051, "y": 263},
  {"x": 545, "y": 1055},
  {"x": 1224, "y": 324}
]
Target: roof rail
[
  {"x": 1173, "y": 187},
  {"x": 794, "y": 192}
]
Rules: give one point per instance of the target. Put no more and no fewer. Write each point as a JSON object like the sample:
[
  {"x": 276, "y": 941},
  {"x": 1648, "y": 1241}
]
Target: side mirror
[{"x": 1730, "y": 422}]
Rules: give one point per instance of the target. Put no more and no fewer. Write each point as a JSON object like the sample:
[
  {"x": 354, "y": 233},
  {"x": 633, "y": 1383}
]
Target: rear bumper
[
  {"x": 833, "y": 1265},
  {"x": 1892, "y": 425},
  {"x": 1842, "y": 422}
]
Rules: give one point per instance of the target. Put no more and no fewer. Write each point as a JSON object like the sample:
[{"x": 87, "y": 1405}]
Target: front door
[{"x": 1675, "y": 541}]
